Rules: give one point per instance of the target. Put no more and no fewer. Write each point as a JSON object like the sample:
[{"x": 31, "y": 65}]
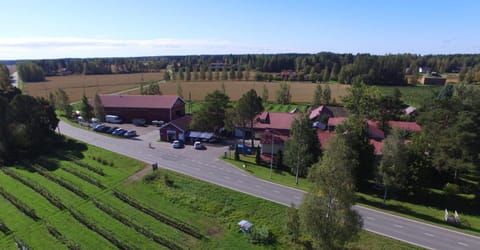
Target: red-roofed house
[
  {"x": 324, "y": 137},
  {"x": 149, "y": 107},
  {"x": 280, "y": 122},
  {"x": 374, "y": 132},
  {"x": 333, "y": 122},
  {"x": 320, "y": 111},
  {"x": 176, "y": 129},
  {"x": 267, "y": 147},
  {"x": 409, "y": 126}
]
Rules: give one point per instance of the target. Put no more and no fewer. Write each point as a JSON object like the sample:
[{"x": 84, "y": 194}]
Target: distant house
[
  {"x": 333, "y": 122},
  {"x": 149, "y": 107},
  {"x": 432, "y": 80},
  {"x": 376, "y": 135},
  {"x": 410, "y": 110},
  {"x": 280, "y": 122},
  {"x": 272, "y": 142},
  {"x": 319, "y": 112},
  {"x": 176, "y": 129}
]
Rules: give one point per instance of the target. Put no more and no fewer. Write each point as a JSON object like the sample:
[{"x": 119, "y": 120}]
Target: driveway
[{"x": 205, "y": 165}]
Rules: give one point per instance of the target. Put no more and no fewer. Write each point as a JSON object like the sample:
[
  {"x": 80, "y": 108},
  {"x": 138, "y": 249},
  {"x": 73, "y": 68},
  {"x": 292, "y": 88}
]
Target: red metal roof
[
  {"x": 278, "y": 120},
  {"x": 321, "y": 110},
  {"x": 324, "y": 137},
  {"x": 374, "y": 131},
  {"x": 140, "y": 101},
  {"x": 277, "y": 138},
  {"x": 335, "y": 121},
  {"x": 378, "y": 145},
  {"x": 410, "y": 126},
  {"x": 182, "y": 122}
]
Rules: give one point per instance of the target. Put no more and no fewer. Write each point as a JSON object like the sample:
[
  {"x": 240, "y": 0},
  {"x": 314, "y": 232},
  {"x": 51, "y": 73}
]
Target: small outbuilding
[{"x": 176, "y": 129}]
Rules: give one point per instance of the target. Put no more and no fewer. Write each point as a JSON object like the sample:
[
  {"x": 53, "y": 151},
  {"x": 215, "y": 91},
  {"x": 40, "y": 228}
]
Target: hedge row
[
  {"x": 30, "y": 212},
  {"x": 4, "y": 229},
  {"x": 55, "y": 233},
  {"x": 102, "y": 232},
  {"x": 96, "y": 170},
  {"x": 84, "y": 177},
  {"x": 21, "y": 245},
  {"x": 37, "y": 188},
  {"x": 127, "y": 222},
  {"x": 161, "y": 217},
  {"x": 77, "y": 161},
  {"x": 60, "y": 181}
]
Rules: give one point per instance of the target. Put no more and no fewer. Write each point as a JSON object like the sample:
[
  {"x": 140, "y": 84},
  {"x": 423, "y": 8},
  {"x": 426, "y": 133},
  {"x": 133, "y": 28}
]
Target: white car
[
  {"x": 198, "y": 145},
  {"x": 177, "y": 144}
]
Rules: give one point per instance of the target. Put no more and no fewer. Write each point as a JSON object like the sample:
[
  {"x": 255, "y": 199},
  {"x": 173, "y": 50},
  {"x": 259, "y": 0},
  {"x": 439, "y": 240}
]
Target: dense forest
[{"x": 345, "y": 68}]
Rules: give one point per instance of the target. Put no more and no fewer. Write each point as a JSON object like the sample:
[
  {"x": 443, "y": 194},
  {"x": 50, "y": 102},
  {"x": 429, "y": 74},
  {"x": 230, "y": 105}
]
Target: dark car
[
  {"x": 110, "y": 130},
  {"x": 105, "y": 129},
  {"x": 99, "y": 127}
]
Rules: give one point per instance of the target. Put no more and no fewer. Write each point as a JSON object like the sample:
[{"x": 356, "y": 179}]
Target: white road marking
[
  {"x": 258, "y": 186},
  {"x": 429, "y": 234},
  {"x": 227, "y": 177},
  {"x": 276, "y": 191},
  {"x": 396, "y": 225},
  {"x": 370, "y": 218},
  {"x": 244, "y": 175},
  {"x": 463, "y": 244}
]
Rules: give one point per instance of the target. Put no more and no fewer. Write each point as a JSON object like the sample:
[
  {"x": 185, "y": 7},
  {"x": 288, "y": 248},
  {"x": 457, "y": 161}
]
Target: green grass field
[
  {"x": 173, "y": 212},
  {"x": 431, "y": 214}
]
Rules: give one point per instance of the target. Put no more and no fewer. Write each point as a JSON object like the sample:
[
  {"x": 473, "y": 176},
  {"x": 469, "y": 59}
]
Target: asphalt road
[{"x": 205, "y": 165}]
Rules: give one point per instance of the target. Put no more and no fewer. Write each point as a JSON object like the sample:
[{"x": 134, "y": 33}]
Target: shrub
[
  {"x": 261, "y": 235},
  {"x": 258, "y": 158},
  {"x": 168, "y": 181},
  {"x": 237, "y": 154},
  {"x": 451, "y": 189},
  {"x": 153, "y": 176}
]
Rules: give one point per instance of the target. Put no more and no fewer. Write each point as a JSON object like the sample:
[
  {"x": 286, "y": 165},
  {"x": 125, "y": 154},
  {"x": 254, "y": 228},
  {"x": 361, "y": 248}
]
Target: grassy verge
[
  {"x": 208, "y": 210},
  {"x": 429, "y": 214}
]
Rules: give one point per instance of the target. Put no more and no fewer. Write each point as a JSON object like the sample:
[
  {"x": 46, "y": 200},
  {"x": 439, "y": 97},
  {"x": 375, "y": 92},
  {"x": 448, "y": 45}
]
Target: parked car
[
  {"x": 177, "y": 144},
  {"x": 130, "y": 133},
  {"x": 105, "y": 129},
  {"x": 198, "y": 145},
  {"x": 118, "y": 131},
  {"x": 98, "y": 127},
  {"x": 139, "y": 122},
  {"x": 111, "y": 130},
  {"x": 157, "y": 123},
  {"x": 113, "y": 119}
]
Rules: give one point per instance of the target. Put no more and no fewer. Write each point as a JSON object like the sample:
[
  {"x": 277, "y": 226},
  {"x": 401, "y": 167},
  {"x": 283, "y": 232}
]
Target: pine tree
[
  {"x": 85, "y": 108},
  {"x": 179, "y": 90},
  {"x": 265, "y": 94},
  {"x": 327, "y": 95},
  {"x": 188, "y": 74}
]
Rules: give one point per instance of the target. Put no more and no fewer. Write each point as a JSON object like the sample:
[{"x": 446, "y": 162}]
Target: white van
[{"x": 113, "y": 119}]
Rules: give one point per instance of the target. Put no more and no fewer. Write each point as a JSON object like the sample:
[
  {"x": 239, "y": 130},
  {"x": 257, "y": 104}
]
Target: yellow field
[
  {"x": 76, "y": 85},
  {"x": 301, "y": 92}
]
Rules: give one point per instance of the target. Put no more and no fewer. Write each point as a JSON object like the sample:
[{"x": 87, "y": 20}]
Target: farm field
[
  {"x": 302, "y": 92},
  {"x": 76, "y": 85},
  {"x": 81, "y": 198}
]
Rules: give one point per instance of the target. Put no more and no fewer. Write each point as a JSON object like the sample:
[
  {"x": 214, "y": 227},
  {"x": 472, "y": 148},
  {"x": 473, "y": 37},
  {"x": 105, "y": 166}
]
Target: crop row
[
  {"x": 84, "y": 177},
  {"x": 4, "y": 229},
  {"x": 21, "y": 245},
  {"x": 60, "y": 181},
  {"x": 55, "y": 233},
  {"x": 161, "y": 217},
  {"x": 96, "y": 170},
  {"x": 37, "y": 188},
  {"x": 30, "y": 212},
  {"x": 102, "y": 232},
  {"x": 127, "y": 222}
]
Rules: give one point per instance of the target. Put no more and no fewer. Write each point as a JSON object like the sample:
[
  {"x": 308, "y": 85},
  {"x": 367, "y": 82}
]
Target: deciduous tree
[
  {"x": 98, "y": 109},
  {"x": 248, "y": 107},
  {"x": 326, "y": 214},
  {"x": 317, "y": 95}
]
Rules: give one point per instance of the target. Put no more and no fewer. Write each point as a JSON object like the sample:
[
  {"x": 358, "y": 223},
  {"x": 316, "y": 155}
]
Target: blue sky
[{"x": 109, "y": 28}]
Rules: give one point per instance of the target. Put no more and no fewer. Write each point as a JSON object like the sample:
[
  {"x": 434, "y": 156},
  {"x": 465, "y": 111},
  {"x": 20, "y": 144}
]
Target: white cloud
[{"x": 61, "y": 47}]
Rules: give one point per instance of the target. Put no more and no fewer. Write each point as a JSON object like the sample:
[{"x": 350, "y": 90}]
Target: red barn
[{"x": 149, "y": 107}]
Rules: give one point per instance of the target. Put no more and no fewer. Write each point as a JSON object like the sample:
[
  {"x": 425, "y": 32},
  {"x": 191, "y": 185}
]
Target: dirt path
[{"x": 140, "y": 174}]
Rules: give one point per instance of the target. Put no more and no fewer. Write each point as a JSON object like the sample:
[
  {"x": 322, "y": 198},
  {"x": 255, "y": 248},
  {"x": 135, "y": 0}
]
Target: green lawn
[
  {"x": 430, "y": 214},
  {"x": 412, "y": 95}
]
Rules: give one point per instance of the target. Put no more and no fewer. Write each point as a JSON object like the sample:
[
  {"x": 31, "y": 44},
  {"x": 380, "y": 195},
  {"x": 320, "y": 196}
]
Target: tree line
[
  {"x": 27, "y": 125},
  {"x": 324, "y": 66}
]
